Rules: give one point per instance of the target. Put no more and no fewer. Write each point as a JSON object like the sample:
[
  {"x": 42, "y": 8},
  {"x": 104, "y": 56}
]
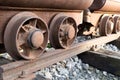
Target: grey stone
[
  {"x": 85, "y": 66},
  {"x": 79, "y": 66},
  {"x": 97, "y": 71},
  {"x": 74, "y": 74},
  {"x": 75, "y": 59},
  {"x": 80, "y": 79},
  {"x": 74, "y": 69},
  {"x": 61, "y": 78},
  {"x": 89, "y": 72},
  {"x": 63, "y": 71},
  {"x": 78, "y": 71},
  {"x": 49, "y": 49},
  {"x": 58, "y": 63},
  {"x": 80, "y": 61},
  {"x": 104, "y": 73},
  {"x": 64, "y": 61},
  {"x": 48, "y": 75},
  {"x": 39, "y": 77},
  {"x": 70, "y": 65}
]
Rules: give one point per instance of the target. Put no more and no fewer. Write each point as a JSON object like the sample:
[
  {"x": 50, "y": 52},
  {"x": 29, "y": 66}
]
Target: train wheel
[
  {"x": 106, "y": 26},
  {"x": 116, "y": 28},
  {"x": 63, "y": 31},
  {"x": 26, "y": 36}
]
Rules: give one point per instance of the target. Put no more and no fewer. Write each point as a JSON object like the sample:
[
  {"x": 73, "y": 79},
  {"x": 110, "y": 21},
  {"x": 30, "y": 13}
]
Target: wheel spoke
[
  {"x": 66, "y": 21},
  {"x": 33, "y": 22},
  {"x": 71, "y": 24},
  {"x": 28, "y": 53},
  {"x": 64, "y": 42},
  {"x": 21, "y": 42},
  {"x": 35, "y": 52},
  {"x": 61, "y": 34},
  {"x": 43, "y": 31},
  {"x": 62, "y": 27},
  {"x": 25, "y": 51},
  {"x": 61, "y": 30},
  {"x": 21, "y": 38},
  {"x": 68, "y": 42},
  {"x": 25, "y": 29},
  {"x": 41, "y": 47}
]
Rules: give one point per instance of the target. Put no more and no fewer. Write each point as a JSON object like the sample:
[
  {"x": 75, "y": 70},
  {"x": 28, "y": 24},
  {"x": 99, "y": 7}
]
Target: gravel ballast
[{"x": 74, "y": 69}]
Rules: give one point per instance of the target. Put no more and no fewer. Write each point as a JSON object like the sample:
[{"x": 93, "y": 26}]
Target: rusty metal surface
[
  {"x": 19, "y": 34},
  {"x": 106, "y": 25},
  {"x": 95, "y": 17},
  {"x": 111, "y": 5},
  {"x": 97, "y": 4},
  {"x": 28, "y": 77},
  {"x": 116, "y": 24},
  {"x": 6, "y": 15},
  {"x": 28, "y": 67},
  {"x": 63, "y": 30},
  {"x": 106, "y": 5},
  {"x": 54, "y": 4}
]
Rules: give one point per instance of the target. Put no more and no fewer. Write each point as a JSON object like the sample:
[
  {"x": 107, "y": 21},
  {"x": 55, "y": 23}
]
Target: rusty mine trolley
[{"x": 26, "y": 26}]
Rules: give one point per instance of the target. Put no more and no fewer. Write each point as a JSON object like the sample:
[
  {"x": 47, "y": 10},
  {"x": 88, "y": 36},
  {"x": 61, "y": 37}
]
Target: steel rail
[{"x": 16, "y": 69}]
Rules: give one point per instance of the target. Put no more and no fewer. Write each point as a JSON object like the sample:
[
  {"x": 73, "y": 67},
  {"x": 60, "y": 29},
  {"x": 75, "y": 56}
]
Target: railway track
[
  {"x": 21, "y": 70},
  {"x": 26, "y": 28}
]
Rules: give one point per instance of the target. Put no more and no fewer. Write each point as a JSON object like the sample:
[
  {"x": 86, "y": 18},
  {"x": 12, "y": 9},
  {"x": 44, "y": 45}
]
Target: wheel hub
[
  {"x": 110, "y": 27},
  {"x": 35, "y": 39},
  {"x": 68, "y": 32}
]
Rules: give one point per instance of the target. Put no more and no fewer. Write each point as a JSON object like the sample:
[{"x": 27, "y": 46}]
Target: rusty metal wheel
[
  {"x": 63, "y": 31},
  {"x": 25, "y": 36},
  {"x": 116, "y": 28},
  {"x": 106, "y": 26}
]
